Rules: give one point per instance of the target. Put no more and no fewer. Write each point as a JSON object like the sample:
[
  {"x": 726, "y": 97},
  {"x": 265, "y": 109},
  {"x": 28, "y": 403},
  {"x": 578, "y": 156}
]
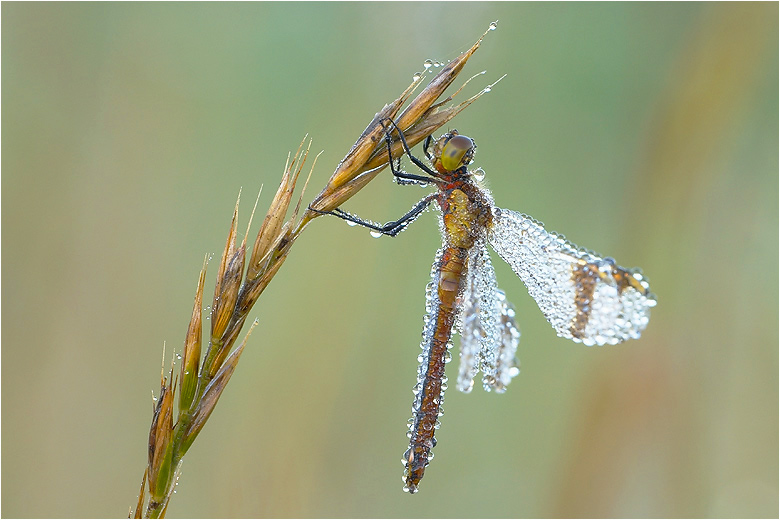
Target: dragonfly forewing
[{"x": 585, "y": 298}]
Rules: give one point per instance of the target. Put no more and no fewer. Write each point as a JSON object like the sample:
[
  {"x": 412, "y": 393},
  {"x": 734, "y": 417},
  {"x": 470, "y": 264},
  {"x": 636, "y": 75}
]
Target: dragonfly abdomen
[{"x": 449, "y": 275}]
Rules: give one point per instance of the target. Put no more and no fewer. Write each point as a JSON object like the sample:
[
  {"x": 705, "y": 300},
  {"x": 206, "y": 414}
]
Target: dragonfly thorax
[{"x": 466, "y": 215}]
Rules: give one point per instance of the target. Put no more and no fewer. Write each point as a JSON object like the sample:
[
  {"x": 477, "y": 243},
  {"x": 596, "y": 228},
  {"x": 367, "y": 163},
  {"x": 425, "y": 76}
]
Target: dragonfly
[{"x": 586, "y": 298}]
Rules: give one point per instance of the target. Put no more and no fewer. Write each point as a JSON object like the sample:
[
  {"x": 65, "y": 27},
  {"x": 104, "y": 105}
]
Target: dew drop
[
  {"x": 375, "y": 234},
  {"x": 486, "y": 89},
  {"x": 478, "y": 174},
  {"x": 417, "y": 76},
  {"x": 428, "y": 64},
  {"x": 493, "y": 25},
  {"x": 350, "y": 223}
]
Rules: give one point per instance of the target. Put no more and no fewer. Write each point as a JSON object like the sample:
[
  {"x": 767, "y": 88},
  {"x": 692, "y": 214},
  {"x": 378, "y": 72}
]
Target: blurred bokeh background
[{"x": 645, "y": 131}]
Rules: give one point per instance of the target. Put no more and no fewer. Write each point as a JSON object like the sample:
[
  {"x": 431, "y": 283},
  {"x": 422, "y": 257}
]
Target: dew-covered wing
[
  {"x": 585, "y": 298},
  {"x": 489, "y": 335}
]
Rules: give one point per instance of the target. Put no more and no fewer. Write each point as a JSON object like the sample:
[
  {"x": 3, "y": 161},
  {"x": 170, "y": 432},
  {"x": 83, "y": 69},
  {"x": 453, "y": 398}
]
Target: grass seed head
[{"x": 233, "y": 300}]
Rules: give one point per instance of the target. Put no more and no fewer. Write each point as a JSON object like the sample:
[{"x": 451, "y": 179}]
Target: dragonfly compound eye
[{"x": 457, "y": 152}]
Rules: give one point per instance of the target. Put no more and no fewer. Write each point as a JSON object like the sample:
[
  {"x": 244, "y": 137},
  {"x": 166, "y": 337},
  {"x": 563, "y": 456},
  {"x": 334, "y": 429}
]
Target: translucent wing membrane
[
  {"x": 507, "y": 365},
  {"x": 479, "y": 317},
  {"x": 489, "y": 335},
  {"x": 584, "y": 297}
]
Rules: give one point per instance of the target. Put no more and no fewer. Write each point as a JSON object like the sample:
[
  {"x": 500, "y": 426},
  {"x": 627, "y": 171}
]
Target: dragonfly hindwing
[{"x": 489, "y": 335}]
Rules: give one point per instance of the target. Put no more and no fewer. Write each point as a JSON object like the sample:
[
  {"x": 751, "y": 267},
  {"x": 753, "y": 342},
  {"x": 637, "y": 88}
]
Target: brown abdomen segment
[{"x": 429, "y": 391}]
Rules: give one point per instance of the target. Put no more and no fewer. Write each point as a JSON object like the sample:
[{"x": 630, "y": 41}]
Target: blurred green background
[{"x": 647, "y": 132}]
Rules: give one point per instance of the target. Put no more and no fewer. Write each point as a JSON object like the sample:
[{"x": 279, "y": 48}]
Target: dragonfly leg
[
  {"x": 412, "y": 158},
  {"x": 393, "y": 227},
  {"x": 397, "y": 172},
  {"x": 426, "y": 145}
]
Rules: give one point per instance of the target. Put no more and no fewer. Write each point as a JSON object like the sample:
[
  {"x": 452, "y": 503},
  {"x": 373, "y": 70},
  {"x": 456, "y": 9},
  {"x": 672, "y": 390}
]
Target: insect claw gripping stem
[
  {"x": 426, "y": 145},
  {"x": 414, "y": 159},
  {"x": 394, "y": 227}
]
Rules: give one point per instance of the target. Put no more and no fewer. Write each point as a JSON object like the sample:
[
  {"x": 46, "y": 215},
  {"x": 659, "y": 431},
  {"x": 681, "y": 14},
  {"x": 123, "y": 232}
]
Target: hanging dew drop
[
  {"x": 375, "y": 234},
  {"x": 493, "y": 25},
  {"x": 417, "y": 76},
  {"x": 350, "y": 223},
  {"x": 428, "y": 64}
]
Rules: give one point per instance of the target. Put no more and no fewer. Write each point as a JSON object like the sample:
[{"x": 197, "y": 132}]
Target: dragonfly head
[{"x": 453, "y": 151}]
